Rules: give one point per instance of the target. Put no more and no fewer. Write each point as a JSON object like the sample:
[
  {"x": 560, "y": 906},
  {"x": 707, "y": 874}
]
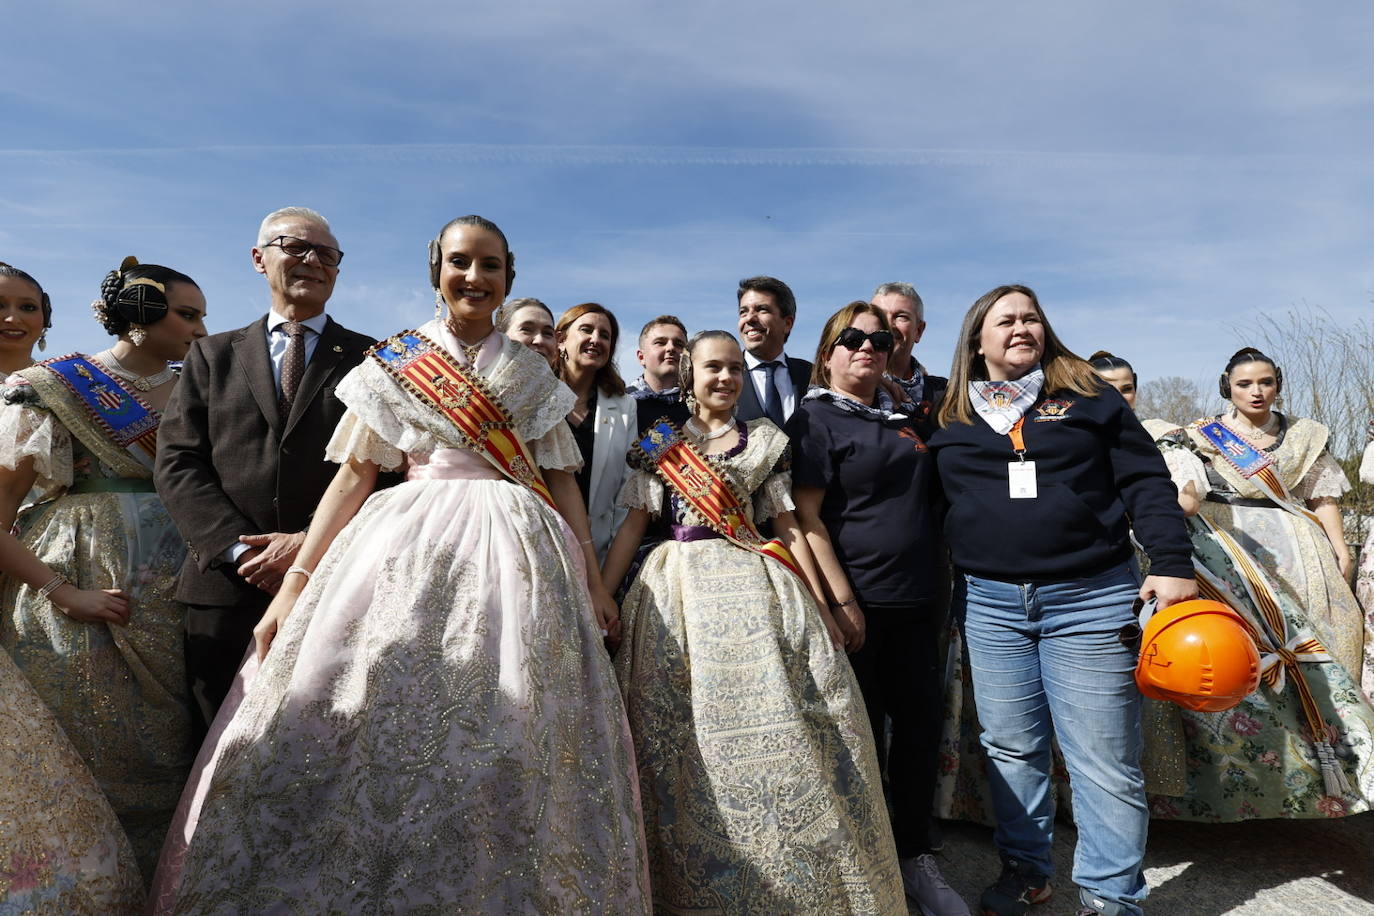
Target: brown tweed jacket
[{"x": 227, "y": 464}]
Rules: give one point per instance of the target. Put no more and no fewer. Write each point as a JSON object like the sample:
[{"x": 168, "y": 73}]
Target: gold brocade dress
[
  {"x": 62, "y": 850},
  {"x": 119, "y": 692},
  {"x": 756, "y": 763}
]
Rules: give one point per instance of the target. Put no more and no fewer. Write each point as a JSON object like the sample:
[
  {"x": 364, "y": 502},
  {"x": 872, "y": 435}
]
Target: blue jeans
[{"x": 1048, "y": 660}]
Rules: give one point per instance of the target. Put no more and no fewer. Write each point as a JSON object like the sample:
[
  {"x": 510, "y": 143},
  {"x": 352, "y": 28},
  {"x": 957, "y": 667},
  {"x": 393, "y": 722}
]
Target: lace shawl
[
  {"x": 28, "y": 429},
  {"x": 763, "y": 469},
  {"x": 384, "y": 422}
]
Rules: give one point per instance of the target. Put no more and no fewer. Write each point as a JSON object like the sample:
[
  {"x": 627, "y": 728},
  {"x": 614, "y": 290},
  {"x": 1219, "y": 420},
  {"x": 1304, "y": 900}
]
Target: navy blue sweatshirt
[{"x": 1098, "y": 473}]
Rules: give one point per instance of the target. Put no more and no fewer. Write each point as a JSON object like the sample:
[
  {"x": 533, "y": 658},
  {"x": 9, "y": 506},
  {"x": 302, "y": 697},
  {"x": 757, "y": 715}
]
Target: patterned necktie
[
  {"x": 293, "y": 365},
  {"x": 772, "y": 400}
]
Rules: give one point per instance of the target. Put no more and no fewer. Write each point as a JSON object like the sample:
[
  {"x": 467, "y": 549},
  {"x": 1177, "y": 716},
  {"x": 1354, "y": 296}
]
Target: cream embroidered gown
[
  {"x": 436, "y": 727},
  {"x": 119, "y": 692},
  {"x": 756, "y": 763}
]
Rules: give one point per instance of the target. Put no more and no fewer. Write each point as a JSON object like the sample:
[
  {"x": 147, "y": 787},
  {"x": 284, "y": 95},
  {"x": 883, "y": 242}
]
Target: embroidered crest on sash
[
  {"x": 687, "y": 472},
  {"x": 482, "y": 424},
  {"x": 1252, "y": 464},
  {"x": 119, "y": 413}
]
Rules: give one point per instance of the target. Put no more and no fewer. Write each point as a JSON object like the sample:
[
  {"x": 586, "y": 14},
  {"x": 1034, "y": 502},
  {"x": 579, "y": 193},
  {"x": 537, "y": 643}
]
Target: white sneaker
[{"x": 923, "y": 883}]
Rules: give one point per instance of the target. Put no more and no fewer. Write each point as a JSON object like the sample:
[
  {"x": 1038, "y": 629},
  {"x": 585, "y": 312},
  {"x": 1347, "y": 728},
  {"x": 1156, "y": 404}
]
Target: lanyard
[{"x": 1018, "y": 442}]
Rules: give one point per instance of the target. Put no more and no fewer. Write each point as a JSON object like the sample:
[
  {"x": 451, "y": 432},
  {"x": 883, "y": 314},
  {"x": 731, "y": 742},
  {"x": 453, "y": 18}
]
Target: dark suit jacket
[
  {"x": 228, "y": 465},
  {"x": 749, "y": 407}
]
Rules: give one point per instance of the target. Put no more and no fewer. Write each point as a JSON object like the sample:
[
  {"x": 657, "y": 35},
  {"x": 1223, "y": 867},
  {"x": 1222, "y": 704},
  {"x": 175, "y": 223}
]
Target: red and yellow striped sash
[
  {"x": 483, "y": 424},
  {"x": 701, "y": 486}
]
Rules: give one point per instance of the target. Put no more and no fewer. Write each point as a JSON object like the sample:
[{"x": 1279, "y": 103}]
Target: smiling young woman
[
  {"x": 434, "y": 682},
  {"x": 723, "y": 640},
  {"x": 603, "y": 419},
  {"x": 91, "y": 574}
]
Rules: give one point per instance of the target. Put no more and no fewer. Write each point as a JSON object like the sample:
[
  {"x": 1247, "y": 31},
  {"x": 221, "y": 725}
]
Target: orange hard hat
[{"x": 1199, "y": 655}]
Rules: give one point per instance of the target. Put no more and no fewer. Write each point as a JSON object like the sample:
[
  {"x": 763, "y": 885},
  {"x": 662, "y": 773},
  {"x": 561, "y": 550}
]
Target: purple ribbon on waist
[{"x": 693, "y": 533}]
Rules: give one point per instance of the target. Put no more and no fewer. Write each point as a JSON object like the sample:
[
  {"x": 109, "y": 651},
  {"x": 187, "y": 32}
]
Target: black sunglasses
[
  {"x": 299, "y": 248},
  {"x": 853, "y": 339}
]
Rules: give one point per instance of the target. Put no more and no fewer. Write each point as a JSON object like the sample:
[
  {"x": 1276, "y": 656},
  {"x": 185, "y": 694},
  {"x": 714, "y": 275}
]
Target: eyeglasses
[
  {"x": 853, "y": 339},
  {"x": 299, "y": 248}
]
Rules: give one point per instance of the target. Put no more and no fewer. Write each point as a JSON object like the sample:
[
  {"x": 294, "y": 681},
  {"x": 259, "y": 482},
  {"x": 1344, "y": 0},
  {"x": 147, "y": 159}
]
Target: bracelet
[
  {"x": 585, "y": 541},
  {"x": 300, "y": 569},
  {"x": 846, "y": 603},
  {"x": 53, "y": 585}
]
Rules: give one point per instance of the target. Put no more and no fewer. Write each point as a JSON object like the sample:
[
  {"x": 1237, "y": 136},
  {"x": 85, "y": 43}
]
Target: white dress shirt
[
  {"x": 782, "y": 380},
  {"x": 278, "y": 340}
]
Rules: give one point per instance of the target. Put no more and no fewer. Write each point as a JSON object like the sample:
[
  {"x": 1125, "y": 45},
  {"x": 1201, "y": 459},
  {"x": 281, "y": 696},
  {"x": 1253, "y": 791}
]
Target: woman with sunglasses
[
  {"x": 863, "y": 482},
  {"x": 89, "y": 614},
  {"x": 722, "y": 641},
  {"x": 1046, "y": 471}
]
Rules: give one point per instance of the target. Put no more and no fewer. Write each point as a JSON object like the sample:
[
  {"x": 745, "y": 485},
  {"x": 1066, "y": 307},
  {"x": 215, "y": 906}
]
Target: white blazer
[{"x": 615, "y": 429}]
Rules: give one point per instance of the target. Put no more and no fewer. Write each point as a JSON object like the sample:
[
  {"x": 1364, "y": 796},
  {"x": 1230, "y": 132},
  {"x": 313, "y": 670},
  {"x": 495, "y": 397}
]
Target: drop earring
[
  {"x": 137, "y": 335},
  {"x": 438, "y": 305},
  {"x": 43, "y": 340}
]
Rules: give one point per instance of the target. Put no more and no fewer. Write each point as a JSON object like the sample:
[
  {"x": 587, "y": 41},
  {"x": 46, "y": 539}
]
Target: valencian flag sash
[
  {"x": 128, "y": 422},
  {"x": 1253, "y": 465},
  {"x": 696, "y": 482},
  {"x": 483, "y": 424}
]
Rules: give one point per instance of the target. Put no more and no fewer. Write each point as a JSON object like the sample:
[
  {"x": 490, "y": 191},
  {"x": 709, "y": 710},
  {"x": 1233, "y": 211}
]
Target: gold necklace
[{"x": 470, "y": 351}]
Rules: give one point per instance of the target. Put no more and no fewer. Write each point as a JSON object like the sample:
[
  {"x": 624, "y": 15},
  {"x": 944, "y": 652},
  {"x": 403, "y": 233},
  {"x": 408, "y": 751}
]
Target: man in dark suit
[
  {"x": 775, "y": 383},
  {"x": 240, "y": 461}
]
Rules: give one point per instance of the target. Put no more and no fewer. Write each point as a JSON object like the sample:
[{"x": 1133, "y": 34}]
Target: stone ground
[{"x": 1258, "y": 868}]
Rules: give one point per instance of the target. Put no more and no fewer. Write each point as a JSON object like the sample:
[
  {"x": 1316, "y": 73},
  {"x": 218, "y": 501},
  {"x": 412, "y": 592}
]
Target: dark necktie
[
  {"x": 772, "y": 400},
  {"x": 293, "y": 365}
]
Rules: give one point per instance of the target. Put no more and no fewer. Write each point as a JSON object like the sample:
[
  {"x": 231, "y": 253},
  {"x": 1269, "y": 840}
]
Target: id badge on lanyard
[{"x": 1020, "y": 473}]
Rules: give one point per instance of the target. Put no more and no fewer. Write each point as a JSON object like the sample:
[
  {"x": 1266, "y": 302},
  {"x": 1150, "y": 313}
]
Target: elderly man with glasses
[{"x": 240, "y": 460}]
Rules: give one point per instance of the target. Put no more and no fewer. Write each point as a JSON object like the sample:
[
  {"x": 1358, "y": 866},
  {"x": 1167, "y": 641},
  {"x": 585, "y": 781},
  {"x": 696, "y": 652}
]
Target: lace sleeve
[
  {"x": 774, "y": 497},
  {"x": 1324, "y": 480},
  {"x": 1184, "y": 467},
  {"x": 642, "y": 490},
  {"x": 557, "y": 449},
  {"x": 354, "y": 440},
  {"x": 28, "y": 430}
]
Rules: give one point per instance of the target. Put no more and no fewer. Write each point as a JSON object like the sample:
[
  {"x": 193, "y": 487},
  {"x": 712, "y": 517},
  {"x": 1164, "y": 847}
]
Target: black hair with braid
[{"x": 124, "y": 302}]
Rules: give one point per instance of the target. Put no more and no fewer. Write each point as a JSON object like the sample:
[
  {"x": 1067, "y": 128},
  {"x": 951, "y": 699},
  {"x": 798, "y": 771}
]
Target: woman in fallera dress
[
  {"x": 1288, "y": 517},
  {"x": 756, "y": 763},
  {"x": 89, "y": 615},
  {"x": 62, "y": 849},
  {"x": 435, "y": 726},
  {"x": 1302, "y": 744}
]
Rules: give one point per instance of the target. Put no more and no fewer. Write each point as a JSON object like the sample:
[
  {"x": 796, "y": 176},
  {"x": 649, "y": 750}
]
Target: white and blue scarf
[{"x": 1001, "y": 404}]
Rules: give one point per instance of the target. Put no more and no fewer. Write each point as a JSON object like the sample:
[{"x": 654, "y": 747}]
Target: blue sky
[{"x": 1162, "y": 174}]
